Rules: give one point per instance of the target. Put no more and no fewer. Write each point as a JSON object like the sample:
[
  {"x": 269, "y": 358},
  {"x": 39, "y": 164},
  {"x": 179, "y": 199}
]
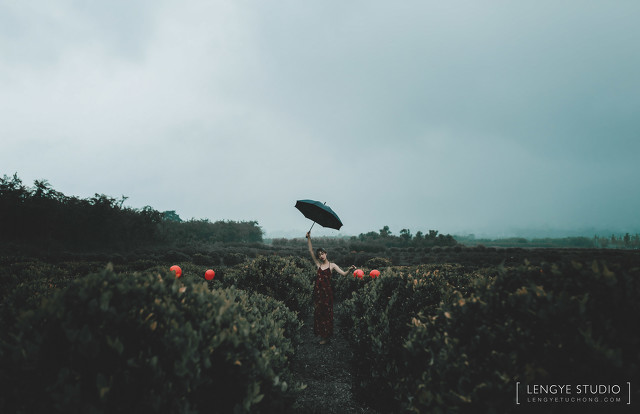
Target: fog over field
[{"x": 494, "y": 118}]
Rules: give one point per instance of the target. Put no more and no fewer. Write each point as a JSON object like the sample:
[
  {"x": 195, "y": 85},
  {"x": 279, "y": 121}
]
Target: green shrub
[
  {"x": 148, "y": 343},
  {"x": 138, "y": 265},
  {"x": 26, "y": 281},
  {"x": 345, "y": 286},
  {"x": 190, "y": 270},
  {"x": 378, "y": 263},
  {"x": 284, "y": 278},
  {"x": 376, "y": 321},
  {"x": 202, "y": 259},
  {"x": 560, "y": 324},
  {"x": 175, "y": 256},
  {"x": 233, "y": 258}
]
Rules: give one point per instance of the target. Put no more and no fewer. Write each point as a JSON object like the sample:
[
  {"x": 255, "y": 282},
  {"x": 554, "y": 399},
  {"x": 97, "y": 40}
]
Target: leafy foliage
[
  {"x": 569, "y": 324},
  {"x": 42, "y": 215},
  {"x": 150, "y": 343},
  {"x": 344, "y": 287},
  {"x": 377, "y": 319},
  {"x": 378, "y": 263},
  {"x": 286, "y": 279},
  {"x": 204, "y": 231}
]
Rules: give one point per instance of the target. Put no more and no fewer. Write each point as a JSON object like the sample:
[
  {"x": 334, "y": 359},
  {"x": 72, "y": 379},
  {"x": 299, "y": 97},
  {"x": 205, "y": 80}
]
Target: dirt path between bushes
[{"x": 326, "y": 371}]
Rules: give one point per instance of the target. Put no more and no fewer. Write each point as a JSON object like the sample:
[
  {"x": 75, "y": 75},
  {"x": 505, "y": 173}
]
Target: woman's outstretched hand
[{"x": 308, "y": 235}]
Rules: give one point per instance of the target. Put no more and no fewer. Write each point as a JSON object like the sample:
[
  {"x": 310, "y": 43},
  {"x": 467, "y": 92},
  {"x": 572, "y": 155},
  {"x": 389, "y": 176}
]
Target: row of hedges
[
  {"x": 148, "y": 342},
  {"x": 25, "y": 280},
  {"x": 376, "y": 321},
  {"x": 429, "y": 345},
  {"x": 288, "y": 280},
  {"x": 231, "y": 254},
  {"x": 431, "y": 338}
]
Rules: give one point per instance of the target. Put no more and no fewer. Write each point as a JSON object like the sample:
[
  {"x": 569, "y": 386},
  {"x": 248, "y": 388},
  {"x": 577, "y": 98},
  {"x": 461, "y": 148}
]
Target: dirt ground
[{"x": 326, "y": 371}]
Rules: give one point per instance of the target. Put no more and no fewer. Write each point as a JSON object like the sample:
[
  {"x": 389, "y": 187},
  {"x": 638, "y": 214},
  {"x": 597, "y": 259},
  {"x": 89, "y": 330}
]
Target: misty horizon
[{"x": 531, "y": 233}]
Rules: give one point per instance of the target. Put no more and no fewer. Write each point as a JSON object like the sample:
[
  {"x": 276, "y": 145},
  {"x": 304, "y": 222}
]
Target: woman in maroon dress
[{"x": 323, "y": 293}]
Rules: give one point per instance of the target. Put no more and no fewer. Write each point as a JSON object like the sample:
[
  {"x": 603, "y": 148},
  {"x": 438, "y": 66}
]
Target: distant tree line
[
  {"x": 379, "y": 241},
  {"x": 384, "y": 237},
  {"x": 620, "y": 242},
  {"x": 42, "y": 215},
  {"x": 204, "y": 231},
  {"x": 376, "y": 242}
]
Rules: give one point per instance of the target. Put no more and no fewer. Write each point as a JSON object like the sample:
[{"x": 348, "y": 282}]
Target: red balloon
[
  {"x": 358, "y": 273},
  {"x": 209, "y": 274},
  {"x": 374, "y": 273},
  {"x": 176, "y": 269}
]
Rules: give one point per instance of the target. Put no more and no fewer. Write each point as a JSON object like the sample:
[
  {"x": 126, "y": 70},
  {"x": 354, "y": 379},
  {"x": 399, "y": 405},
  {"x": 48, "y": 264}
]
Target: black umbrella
[{"x": 320, "y": 213}]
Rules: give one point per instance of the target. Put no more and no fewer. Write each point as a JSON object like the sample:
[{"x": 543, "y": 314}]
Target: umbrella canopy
[{"x": 320, "y": 213}]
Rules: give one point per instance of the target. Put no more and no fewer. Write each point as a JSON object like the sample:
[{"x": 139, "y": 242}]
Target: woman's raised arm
[
  {"x": 342, "y": 272},
  {"x": 313, "y": 255}
]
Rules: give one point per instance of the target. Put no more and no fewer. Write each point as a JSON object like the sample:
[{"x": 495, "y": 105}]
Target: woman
[{"x": 322, "y": 293}]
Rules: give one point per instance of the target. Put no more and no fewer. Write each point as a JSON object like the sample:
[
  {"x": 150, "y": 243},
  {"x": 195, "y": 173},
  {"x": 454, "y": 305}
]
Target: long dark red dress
[{"x": 323, "y": 301}]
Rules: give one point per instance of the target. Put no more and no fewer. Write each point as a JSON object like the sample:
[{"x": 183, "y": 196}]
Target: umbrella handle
[{"x": 314, "y": 223}]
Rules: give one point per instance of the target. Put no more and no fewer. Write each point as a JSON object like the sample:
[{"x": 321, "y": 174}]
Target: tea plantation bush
[
  {"x": 559, "y": 324},
  {"x": 25, "y": 282},
  {"x": 378, "y": 263},
  {"x": 345, "y": 286},
  {"x": 286, "y": 279},
  {"x": 148, "y": 342},
  {"x": 376, "y": 321}
]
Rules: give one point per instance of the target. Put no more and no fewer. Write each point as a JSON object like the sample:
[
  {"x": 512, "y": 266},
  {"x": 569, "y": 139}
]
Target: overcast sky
[{"x": 485, "y": 117}]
